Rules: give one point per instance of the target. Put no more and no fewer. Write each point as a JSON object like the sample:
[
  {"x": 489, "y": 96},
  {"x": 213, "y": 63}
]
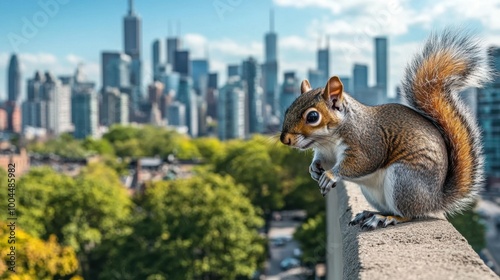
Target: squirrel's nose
[{"x": 286, "y": 139}]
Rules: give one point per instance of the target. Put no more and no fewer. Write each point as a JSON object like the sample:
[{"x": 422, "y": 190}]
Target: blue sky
[{"x": 77, "y": 31}]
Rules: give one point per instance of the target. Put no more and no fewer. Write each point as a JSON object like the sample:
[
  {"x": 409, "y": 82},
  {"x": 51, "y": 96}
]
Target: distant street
[{"x": 282, "y": 229}]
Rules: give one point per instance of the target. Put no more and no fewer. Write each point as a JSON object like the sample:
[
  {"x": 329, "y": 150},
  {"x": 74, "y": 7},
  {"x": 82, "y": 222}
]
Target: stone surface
[{"x": 428, "y": 248}]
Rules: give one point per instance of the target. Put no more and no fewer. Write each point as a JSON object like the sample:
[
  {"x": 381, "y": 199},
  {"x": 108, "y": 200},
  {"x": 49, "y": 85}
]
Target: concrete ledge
[{"x": 423, "y": 249}]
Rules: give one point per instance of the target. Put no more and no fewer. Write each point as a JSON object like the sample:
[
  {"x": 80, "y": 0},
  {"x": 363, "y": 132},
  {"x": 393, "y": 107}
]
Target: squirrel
[{"x": 410, "y": 161}]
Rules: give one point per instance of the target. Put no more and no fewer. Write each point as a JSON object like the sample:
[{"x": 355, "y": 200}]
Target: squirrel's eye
[{"x": 313, "y": 117}]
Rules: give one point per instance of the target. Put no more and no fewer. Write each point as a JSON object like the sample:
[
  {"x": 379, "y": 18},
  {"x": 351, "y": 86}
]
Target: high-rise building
[
  {"x": 346, "y": 81},
  {"x": 324, "y": 61},
  {"x": 181, "y": 63},
  {"x": 381, "y": 63},
  {"x": 84, "y": 105},
  {"x": 115, "y": 69},
  {"x": 270, "y": 69},
  {"x": 199, "y": 69},
  {"x": 289, "y": 91},
  {"x": 316, "y": 78},
  {"x": 359, "y": 78},
  {"x": 176, "y": 114},
  {"x": 251, "y": 76},
  {"x": 14, "y": 79},
  {"x": 132, "y": 32},
  {"x": 115, "y": 107},
  {"x": 173, "y": 45},
  {"x": 156, "y": 59},
  {"x": 233, "y": 70},
  {"x": 212, "y": 95},
  {"x": 132, "y": 44},
  {"x": 488, "y": 114},
  {"x": 186, "y": 95},
  {"x": 231, "y": 118},
  {"x": 11, "y": 107},
  {"x": 48, "y": 104}
]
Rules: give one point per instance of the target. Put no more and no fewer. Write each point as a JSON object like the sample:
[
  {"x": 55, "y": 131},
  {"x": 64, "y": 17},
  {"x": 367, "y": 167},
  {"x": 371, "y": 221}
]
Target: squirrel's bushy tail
[{"x": 449, "y": 62}]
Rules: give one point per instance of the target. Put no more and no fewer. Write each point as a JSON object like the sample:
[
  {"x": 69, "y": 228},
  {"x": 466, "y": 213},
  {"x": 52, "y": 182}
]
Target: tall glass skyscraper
[
  {"x": 14, "y": 82},
  {"x": 360, "y": 77},
  {"x": 381, "y": 63},
  {"x": 251, "y": 76},
  {"x": 324, "y": 61},
  {"x": 132, "y": 47},
  {"x": 132, "y": 33},
  {"x": 156, "y": 59},
  {"x": 181, "y": 63},
  {"x": 488, "y": 113},
  {"x": 289, "y": 91},
  {"x": 186, "y": 96},
  {"x": 115, "y": 69},
  {"x": 173, "y": 45},
  {"x": 199, "y": 72},
  {"x": 231, "y": 110},
  {"x": 271, "y": 69}
]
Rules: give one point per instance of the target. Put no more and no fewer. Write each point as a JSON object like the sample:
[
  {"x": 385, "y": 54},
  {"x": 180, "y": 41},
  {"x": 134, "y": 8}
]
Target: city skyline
[{"x": 228, "y": 37}]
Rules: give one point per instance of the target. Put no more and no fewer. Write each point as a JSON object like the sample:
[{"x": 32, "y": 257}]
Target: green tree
[
  {"x": 311, "y": 236},
  {"x": 251, "y": 164},
  {"x": 81, "y": 212},
  {"x": 210, "y": 148},
  {"x": 198, "y": 228},
  {"x": 98, "y": 146},
  {"x": 64, "y": 146}
]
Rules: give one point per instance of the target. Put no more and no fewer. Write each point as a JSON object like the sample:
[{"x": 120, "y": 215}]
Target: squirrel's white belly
[{"x": 377, "y": 188}]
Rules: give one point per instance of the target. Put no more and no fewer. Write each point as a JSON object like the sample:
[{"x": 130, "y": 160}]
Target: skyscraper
[
  {"x": 176, "y": 114},
  {"x": 132, "y": 47},
  {"x": 186, "y": 95},
  {"x": 156, "y": 59},
  {"x": 12, "y": 109},
  {"x": 115, "y": 69},
  {"x": 289, "y": 91},
  {"x": 270, "y": 69},
  {"x": 316, "y": 78},
  {"x": 132, "y": 32},
  {"x": 324, "y": 61},
  {"x": 181, "y": 63},
  {"x": 173, "y": 45},
  {"x": 488, "y": 113},
  {"x": 48, "y": 104},
  {"x": 212, "y": 95},
  {"x": 251, "y": 76},
  {"x": 115, "y": 107},
  {"x": 14, "y": 79},
  {"x": 231, "y": 118},
  {"x": 359, "y": 78},
  {"x": 233, "y": 70},
  {"x": 199, "y": 72},
  {"x": 84, "y": 107},
  {"x": 381, "y": 63}
]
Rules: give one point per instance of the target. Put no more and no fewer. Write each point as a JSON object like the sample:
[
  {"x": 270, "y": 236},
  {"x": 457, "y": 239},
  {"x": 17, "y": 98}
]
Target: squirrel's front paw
[
  {"x": 326, "y": 182},
  {"x": 316, "y": 170}
]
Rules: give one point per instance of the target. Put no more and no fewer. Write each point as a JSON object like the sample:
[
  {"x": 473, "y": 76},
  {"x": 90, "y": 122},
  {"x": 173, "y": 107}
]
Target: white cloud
[
  {"x": 74, "y": 59},
  {"x": 45, "y": 59},
  {"x": 196, "y": 44},
  {"x": 326, "y": 4}
]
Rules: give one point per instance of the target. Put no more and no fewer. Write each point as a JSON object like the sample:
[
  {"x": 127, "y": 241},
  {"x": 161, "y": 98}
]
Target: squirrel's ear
[
  {"x": 305, "y": 86},
  {"x": 333, "y": 91}
]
